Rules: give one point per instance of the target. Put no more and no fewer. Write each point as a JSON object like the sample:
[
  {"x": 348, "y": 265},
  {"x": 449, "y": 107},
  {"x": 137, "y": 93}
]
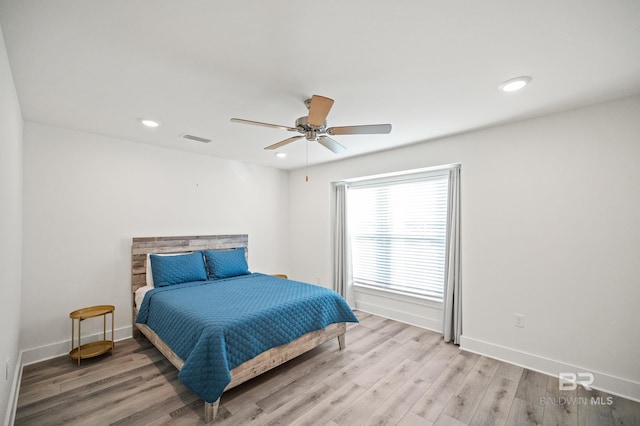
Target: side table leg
[
  {"x": 79, "y": 343},
  {"x": 113, "y": 337}
]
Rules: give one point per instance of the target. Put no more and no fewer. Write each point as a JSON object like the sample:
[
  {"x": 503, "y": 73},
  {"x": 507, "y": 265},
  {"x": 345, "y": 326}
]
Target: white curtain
[
  {"x": 342, "y": 279},
  {"x": 452, "y": 329}
]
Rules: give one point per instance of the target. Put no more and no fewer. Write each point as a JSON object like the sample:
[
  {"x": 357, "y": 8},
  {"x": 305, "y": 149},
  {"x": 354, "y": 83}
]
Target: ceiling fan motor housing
[{"x": 310, "y": 132}]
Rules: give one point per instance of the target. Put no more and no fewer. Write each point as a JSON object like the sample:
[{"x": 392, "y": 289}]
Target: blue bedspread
[{"x": 215, "y": 326}]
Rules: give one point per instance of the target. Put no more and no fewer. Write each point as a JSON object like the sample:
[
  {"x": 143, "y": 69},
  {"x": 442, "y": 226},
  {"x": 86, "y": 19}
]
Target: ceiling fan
[{"x": 314, "y": 126}]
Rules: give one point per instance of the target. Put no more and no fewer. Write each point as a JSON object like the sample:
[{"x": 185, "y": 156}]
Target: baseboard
[
  {"x": 54, "y": 350},
  {"x": 605, "y": 382},
  {"x": 402, "y": 316},
  {"x": 409, "y": 310},
  {"x": 10, "y": 416}
]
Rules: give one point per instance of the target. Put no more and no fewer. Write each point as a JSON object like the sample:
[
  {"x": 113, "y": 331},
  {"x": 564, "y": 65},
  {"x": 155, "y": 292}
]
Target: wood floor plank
[
  {"x": 68, "y": 379},
  {"x": 558, "y": 408},
  {"x": 359, "y": 365},
  {"x": 370, "y": 376},
  {"x": 532, "y": 386},
  {"x": 523, "y": 413},
  {"x": 396, "y": 407},
  {"x": 323, "y": 412},
  {"x": 59, "y": 369},
  {"x": 156, "y": 409},
  {"x": 65, "y": 412},
  {"x": 444, "y": 420},
  {"x": 527, "y": 408},
  {"x": 426, "y": 345},
  {"x": 248, "y": 414},
  {"x": 395, "y": 331},
  {"x": 594, "y": 408},
  {"x": 128, "y": 402},
  {"x": 314, "y": 375},
  {"x": 367, "y": 403},
  {"x": 295, "y": 408},
  {"x": 496, "y": 403},
  {"x": 370, "y": 340},
  {"x": 411, "y": 419},
  {"x": 69, "y": 397},
  {"x": 434, "y": 366},
  {"x": 464, "y": 403},
  {"x": 390, "y": 374},
  {"x": 432, "y": 403},
  {"x": 412, "y": 332},
  {"x": 625, "y": 412},
  {"x": 275, "y": 384},
  {"x": 188, "y": 415},
  {"x": 370, "y": 321},
  {"x": 510, "y": 371}
]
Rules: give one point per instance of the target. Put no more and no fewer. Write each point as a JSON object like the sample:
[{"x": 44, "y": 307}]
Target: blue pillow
[
  {"x": 226, "y": 263},
  {"x": 169, "y": 270}
]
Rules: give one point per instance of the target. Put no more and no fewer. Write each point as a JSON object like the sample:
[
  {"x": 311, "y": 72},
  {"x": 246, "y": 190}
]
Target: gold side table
[{"x": 92, "y": 349}]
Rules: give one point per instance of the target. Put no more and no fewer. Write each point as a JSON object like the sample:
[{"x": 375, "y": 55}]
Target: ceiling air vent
[{"x": 196, "y": 138}]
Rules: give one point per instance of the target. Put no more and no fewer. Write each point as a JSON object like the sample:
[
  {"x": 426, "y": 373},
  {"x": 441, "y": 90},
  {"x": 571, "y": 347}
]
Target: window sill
[{"x": 399, "y": 295}]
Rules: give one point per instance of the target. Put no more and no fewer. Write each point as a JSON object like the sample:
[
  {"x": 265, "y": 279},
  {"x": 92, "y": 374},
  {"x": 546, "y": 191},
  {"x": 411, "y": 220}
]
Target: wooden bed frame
[{"x": 272, "y": 358}]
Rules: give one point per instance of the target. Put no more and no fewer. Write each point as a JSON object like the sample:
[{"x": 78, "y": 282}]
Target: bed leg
[
  {"x": 211, "y": 410},
  {"x": 341, "y": 342}
]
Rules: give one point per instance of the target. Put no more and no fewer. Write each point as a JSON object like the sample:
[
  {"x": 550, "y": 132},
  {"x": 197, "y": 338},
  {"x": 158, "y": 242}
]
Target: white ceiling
[{"x": 431, "y": 68}]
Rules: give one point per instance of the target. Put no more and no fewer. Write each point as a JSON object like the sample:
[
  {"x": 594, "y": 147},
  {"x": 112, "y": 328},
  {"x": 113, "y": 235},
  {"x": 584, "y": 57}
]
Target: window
[{"x": 398, "y": 233}]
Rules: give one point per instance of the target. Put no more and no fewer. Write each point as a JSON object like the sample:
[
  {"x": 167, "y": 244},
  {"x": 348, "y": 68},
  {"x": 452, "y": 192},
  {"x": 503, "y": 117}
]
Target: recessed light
[
  {"x": 515, "y": 84},
  {"x": 149, "y": 123},
  {"x": 281, "y": 154}
]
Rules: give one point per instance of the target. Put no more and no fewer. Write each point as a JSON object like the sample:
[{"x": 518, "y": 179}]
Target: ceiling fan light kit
[{"x": 313, "y": 127}]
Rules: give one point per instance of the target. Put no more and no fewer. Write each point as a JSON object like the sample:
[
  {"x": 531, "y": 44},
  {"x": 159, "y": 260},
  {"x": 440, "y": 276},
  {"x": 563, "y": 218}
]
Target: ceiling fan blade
[
  {"x": 258, "y": 123},
  {"x": 284, "y": 142},
  {"x": 369, "y": 129},
  {"x": 318, "y": 110},
  {"x": 330, "y": 144}
]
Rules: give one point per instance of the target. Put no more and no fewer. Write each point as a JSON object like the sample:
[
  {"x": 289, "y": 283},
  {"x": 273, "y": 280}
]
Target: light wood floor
[{"x": 390, "y": 374}]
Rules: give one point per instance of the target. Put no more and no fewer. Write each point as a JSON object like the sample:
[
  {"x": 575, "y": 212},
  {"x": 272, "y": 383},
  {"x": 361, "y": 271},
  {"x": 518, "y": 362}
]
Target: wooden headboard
[{"x": 141, "y": 247}]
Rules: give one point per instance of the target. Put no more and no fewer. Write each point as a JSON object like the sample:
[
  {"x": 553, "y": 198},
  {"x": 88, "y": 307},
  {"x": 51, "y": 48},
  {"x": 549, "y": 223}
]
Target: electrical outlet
[{"x": 519, "y": 320}]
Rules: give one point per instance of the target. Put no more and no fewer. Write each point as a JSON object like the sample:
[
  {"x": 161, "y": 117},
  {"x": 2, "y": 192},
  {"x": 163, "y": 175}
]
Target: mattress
[{"x": 139, "y": 295}]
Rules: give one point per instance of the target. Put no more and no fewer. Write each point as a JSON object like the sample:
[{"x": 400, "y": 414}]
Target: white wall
[
  {"x": 86, "y": 196},
  {"x": 10, "y": 229},
  {"x": 550, "y": 230}
]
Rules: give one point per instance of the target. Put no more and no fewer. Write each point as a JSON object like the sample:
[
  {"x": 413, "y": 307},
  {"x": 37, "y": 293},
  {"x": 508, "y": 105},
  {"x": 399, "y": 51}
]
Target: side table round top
[{"x": 92, "y": 311}]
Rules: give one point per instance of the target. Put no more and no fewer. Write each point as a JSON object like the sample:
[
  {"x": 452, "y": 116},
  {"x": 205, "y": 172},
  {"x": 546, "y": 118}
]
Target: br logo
[{"x": 570, "y": 381}]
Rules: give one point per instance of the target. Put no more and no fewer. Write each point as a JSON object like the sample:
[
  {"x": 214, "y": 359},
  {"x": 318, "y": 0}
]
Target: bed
[{"x": 226, "y": 325}]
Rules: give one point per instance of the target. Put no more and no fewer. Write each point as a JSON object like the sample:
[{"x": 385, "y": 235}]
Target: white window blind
[{"x": 398, "y": 233}]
